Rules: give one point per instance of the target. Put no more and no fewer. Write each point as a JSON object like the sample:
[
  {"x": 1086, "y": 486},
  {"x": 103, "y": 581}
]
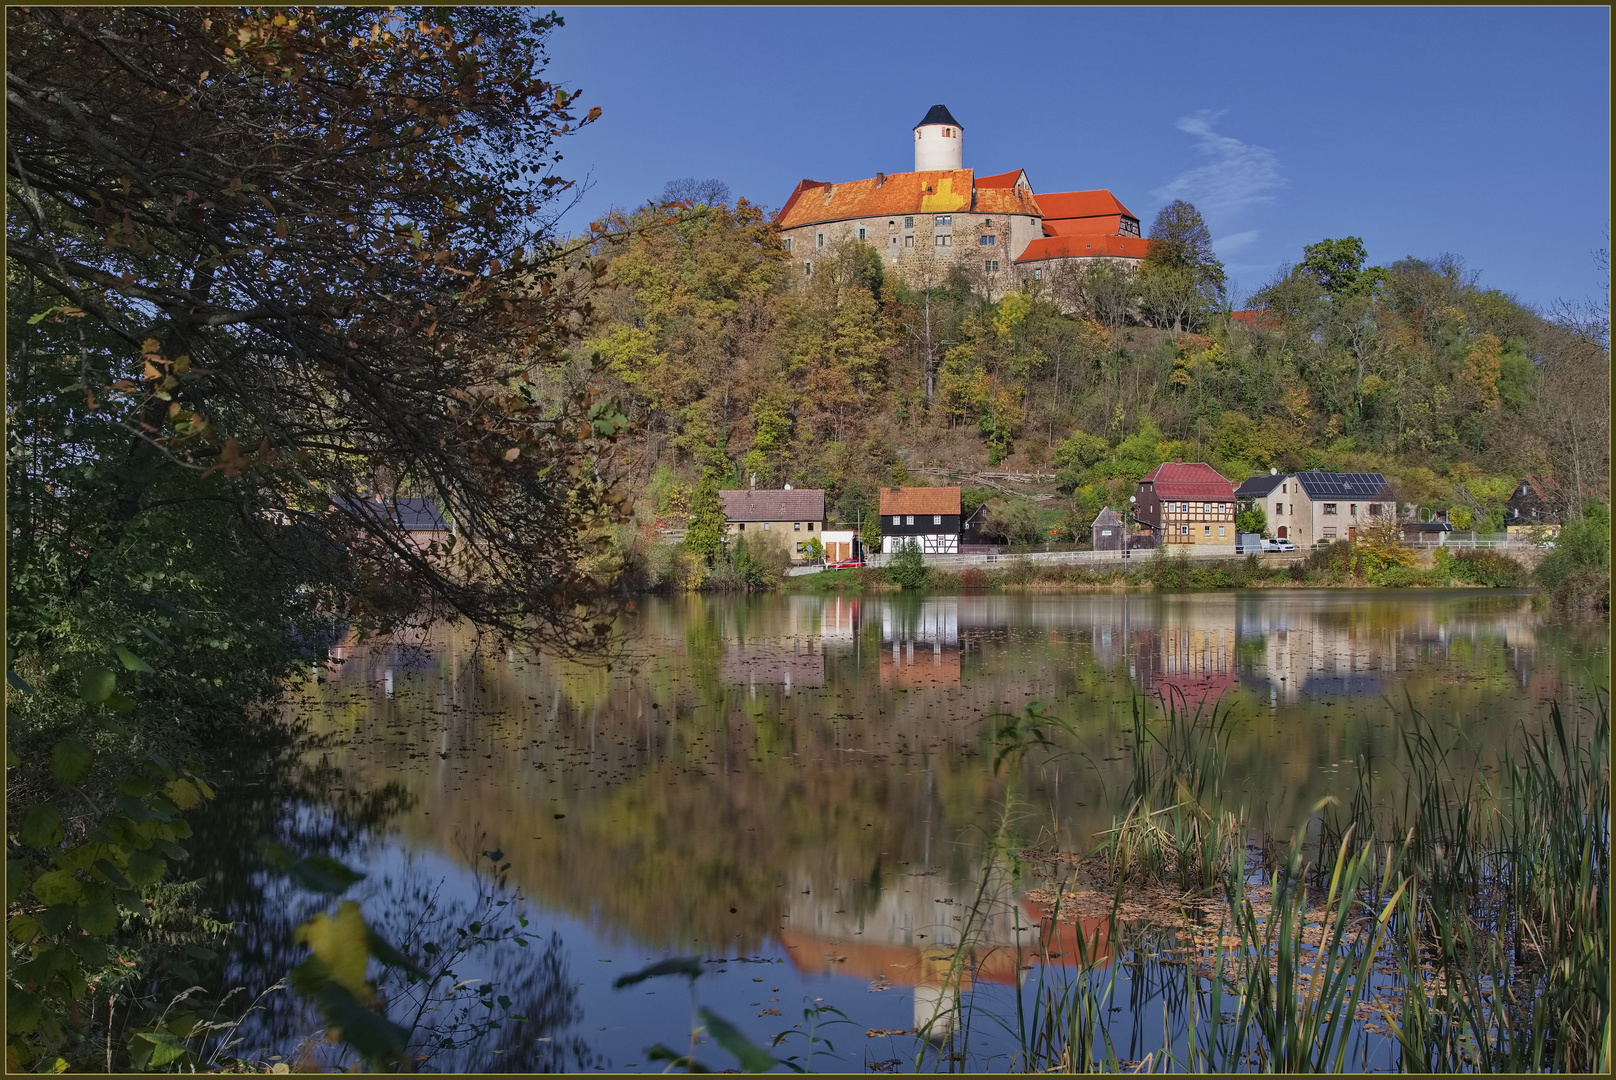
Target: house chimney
[{"x": 880, "y": 178}]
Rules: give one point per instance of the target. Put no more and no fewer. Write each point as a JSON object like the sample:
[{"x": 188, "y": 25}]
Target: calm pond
[{"x": 800, "y": 793}]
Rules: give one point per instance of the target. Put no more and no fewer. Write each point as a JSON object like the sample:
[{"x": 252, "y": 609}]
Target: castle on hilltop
[{"x": 942, "y": 216}]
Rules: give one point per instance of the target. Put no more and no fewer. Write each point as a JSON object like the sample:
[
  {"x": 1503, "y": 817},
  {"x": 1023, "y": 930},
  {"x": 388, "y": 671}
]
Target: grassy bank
[{"x": 1326, "y": 568}]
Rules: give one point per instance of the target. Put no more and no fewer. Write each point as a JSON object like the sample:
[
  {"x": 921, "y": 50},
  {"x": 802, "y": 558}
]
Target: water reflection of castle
[{"x": 1188, "y": 648}]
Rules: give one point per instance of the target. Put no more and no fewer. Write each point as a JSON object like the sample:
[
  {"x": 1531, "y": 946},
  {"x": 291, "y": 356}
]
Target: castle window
[
  {"x": 807, "y": 269},
  {"x": 788, "y": 243},
  {"x": 894, "y": 241},
  {"x": 991, "y": 265},
  {"x": 943, "y": 241},
  {"x": 893, "y": 224},
  {"x": 1038, "y": 275},
  {"x": 819, "y": 240},
  {"x": 988, "y": 240},
  {"x": 908, "y": 241},
  {"x": 861, "y": 234},
  {"x": 946, "y": 219},
  {"x": 948, "y": 133},
  {"x": 908, "y": 222},
  {"x": 987, "y": 223}
]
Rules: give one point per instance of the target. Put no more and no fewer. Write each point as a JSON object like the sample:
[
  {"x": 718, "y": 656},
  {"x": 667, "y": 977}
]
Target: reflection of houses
[
  {"x": 787, "y": 663},
  {"x": 921, "y": 644},
  {"x": 1189, "y": 658},
  {"x": 913, "y": 935}
]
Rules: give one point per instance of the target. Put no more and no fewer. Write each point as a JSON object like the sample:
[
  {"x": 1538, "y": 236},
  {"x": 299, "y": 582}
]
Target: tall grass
[{"x": 1470, "y": 923}]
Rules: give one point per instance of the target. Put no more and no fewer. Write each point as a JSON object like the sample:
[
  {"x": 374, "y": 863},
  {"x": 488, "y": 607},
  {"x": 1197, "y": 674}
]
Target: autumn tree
[
  {"x": 1181, "y": 278},
  {"x": 316, "y": 241}
]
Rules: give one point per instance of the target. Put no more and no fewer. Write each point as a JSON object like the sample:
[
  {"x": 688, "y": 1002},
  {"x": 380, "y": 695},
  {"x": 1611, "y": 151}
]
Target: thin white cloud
[
  {"x": 1236, "y": 176},
  {"x": 1228, "y": 245}
]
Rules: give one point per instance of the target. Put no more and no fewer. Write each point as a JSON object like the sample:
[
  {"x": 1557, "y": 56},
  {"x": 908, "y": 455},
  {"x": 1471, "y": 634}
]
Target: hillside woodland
[{"x": 728, "y": 364}]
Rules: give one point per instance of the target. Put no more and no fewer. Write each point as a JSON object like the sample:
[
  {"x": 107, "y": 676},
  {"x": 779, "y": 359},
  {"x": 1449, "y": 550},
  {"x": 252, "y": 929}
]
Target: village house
[
  {"x": 790, "y": 519},
  {"x": 1181, "y": 503},
  {"x": 942, "y": 215},
  {"x": 419, "y": 518},
  {"x": 1533, "y": 510},
  {"x": 1107, "y": 531},
  {"x": 927, "y": 516},
  {"x": 1319, "y": 508}
]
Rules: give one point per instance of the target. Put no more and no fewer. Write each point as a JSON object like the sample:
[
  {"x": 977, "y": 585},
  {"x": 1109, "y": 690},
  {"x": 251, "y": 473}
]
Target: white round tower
[{"x": 939, "y": 141}]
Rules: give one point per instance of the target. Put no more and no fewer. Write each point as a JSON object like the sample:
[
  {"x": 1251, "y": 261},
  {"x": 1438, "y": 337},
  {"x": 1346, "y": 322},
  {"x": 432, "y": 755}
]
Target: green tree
[
  {"x": 1182, "y": 278},
  {"x": 1338, "y": 267},
  {"x": 907, "y": 569},
  {"x": 1251, "y": 519},
  {"x": 704, "y": 533}
]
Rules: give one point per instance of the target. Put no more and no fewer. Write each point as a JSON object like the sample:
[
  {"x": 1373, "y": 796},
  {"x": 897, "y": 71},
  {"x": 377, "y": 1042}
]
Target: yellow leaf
[
  {"x": 151, "y": 346},
  {"x": 183, "y": 794},
  {"x": 343, "y": 945}
]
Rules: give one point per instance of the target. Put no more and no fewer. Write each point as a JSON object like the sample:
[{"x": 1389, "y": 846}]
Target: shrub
[
  {"x": 974, "y": 577},
  {"x": 1490, "y": 568},
  {"x": 1577, "y": 571},
  {"x": 907, "y": 570}
]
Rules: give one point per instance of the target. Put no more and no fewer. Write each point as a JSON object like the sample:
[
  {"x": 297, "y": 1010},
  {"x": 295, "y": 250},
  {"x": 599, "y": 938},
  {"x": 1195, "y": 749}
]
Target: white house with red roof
[
  {"x": 942, "y": 215},
  {"x": 1187, "y": 503}
]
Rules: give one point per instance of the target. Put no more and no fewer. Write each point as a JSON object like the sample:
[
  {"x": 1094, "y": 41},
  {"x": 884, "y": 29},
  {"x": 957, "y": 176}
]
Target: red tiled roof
[
  {"x": 1259, "y": 318},
  {"x": 805, "y": 504},
  {"x": 1081, "y": 204},
  {"x": 1001, "y": 180},
  {"x": 920, "y": 500},
  {"x": 1110, "y": 225},
  {"x": 1085, "y": 247},
  {"x": 1190, "y": 481},
  {"x": 938, "y": 192}
]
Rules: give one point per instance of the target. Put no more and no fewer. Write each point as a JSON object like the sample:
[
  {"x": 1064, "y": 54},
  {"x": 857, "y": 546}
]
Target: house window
[
  {"x": 819, "y": 239},
  {"x": 946, "y": 219},
  {"x": 1329, "y": 534},
  {"x": 937, "y": 519},
  {"x": 909, "y": 519},
  {"x": 1330, "y": 508},
  {"x": 990, "y": 265},
  {"x": 1206, "y": 509},
  {"x": 988, "y": 240},
  {"x": 1220, "y": 529},
  {"x": 765, "y": 526},
  {"x": 1183, "y": 508},
  {"x": 1354, "y": 510},
  {"x": 788, "y": 243},
  {"x": 1374, "y": 509},
  {"x": 801, "y": 547},
  {"x": 1206, "y": 530},
  {"x": 861, "y": 234},
  {"x": 943, "y": 241},
  {"x": 741, "y": 527},
  {"x": 1105, "y": 532},
  {"x": 796, "y": 526},
  {"x": 810, "y": 526},
  {"x": 1279, "y": 509},
  {"x": 1284, "y": 489},
  {"x": 1183, "y": 530},
  {"x": 908, "y": 222},
  {"x": 896, "y": 520},
  {"x": 1038, "y": 275}
]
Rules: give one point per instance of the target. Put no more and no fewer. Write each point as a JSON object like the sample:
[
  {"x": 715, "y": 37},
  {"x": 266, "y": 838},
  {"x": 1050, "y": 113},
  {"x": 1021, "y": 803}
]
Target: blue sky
[{"x": 1481, "y": 132}]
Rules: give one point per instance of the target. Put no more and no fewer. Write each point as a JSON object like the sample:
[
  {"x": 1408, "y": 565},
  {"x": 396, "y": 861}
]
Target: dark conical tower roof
[{"x": 939, "y": 114}]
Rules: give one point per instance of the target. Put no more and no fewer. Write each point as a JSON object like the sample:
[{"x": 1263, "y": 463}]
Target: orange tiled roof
[
  {"x": 1001, "y": 180},
  {"x": 1085, "y": 247},
  {"x": 1081, "y": 204},
  {"x": 938, "y": 192},
  {"x": 920, "y": 500}
]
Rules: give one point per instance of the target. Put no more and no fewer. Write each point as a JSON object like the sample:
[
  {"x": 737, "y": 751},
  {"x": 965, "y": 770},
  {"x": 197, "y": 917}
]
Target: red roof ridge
[{"x": 1085, "y": 247}]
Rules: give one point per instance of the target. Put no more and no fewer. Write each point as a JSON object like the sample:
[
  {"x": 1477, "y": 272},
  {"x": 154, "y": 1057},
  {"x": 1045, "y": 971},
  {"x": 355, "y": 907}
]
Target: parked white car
[{"x": 1278, "y": 545}]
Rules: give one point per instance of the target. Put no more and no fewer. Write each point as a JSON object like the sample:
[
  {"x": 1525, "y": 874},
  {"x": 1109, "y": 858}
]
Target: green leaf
[
  {"x": 688, "y": 966},
  {"x": 383, "y": 950},
  {"x": 99, "y": 916},
  {"x": 166, "y": 1048},
  {"x": 41, "y": 826},
  {"x": 341, "y": 943},
  {"x": 58, "y": 887},
  {"x": 70, "y": 761},
  {"x": 133, "y": 662},
  {"x": 322, "y": 873},
  {"x": 753, "y": 1058},
  {"x": 144, "y": 869},
  {"x": 120, "y": 703},
  {"x": 375, "y": 1037},
  {"x": 23, "y": 1011},
  {"x": 96, "y": 684},
  {"x": 135, "y": 785}
]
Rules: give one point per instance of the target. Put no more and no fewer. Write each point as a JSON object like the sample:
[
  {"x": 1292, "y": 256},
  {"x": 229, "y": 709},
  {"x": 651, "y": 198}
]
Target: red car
[{"x": 847, "y": 564}]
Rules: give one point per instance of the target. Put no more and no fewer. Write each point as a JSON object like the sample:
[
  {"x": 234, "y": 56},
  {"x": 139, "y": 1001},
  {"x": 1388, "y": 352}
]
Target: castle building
[{"x": 942, "y": 215}]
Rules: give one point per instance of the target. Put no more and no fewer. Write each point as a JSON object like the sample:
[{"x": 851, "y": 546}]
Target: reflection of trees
[{"x": 685, "y": 795}]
